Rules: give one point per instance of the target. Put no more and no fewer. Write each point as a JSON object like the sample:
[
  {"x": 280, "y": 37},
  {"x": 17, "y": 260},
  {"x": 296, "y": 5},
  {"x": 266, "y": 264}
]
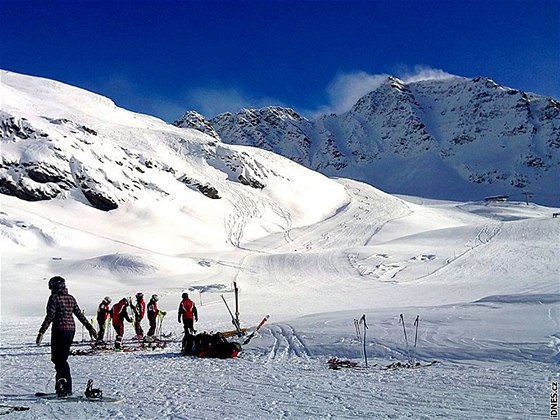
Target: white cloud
[
  {"x": 211, "y": 102},
  {"x": 347, "y": 88},
  {"x": 423, "y": 73}
]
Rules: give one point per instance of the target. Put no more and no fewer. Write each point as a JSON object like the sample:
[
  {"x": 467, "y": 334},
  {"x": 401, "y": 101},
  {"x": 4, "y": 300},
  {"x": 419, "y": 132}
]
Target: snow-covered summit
[{"x": 453, "y": 138}]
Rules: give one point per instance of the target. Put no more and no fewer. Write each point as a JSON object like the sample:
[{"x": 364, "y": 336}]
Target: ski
[
  {"x": 7, "y": 409},
  {"x": 77, "y": 398},
  {"x": 336, "y": 364},
  {"x": 400, "y": 365},
  {"x": 250, "y": 336},
  {"x": 233, "y": 333}
]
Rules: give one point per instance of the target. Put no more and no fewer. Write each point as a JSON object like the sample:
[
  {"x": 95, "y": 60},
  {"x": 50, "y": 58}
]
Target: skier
[
  {"x": 153, "y": 312},
  {"x": 60, "y": 308},
  {"x": 119, "y": 314},
  {"x": 187, "y": 314},
  {"x": 139, "y": 312},
  {"x": 103, "y": 313}
]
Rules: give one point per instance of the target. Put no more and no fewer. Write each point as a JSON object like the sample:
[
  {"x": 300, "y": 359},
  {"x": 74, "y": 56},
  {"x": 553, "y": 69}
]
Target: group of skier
[
  {"x": 125, "y": 309},
  {"x": 61, "y": 307}
]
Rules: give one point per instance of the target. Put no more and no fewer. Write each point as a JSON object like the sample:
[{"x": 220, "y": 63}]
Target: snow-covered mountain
[
  {"x": 455, "y": 138},
  {"x": 59, "y": 142}
]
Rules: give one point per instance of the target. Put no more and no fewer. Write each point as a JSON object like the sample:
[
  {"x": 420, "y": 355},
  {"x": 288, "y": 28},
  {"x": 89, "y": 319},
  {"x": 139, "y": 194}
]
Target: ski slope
[{"x": 482, "y": 277}]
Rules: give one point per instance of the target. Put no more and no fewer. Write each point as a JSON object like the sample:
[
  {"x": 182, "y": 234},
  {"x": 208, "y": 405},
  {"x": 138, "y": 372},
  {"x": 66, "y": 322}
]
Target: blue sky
[{"x": 165, "y": 57}]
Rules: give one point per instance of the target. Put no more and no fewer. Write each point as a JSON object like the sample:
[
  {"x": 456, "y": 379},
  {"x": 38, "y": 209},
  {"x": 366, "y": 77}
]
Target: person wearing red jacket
[
  {"x": 187, "y": 314},
  {"x": 139, "y": 312},
  {"x": 103, "y": 313},
  {"x": 61, "y": 307},
  {"x": 119, "y": 314},
  {"x": 153, "y": 312}
]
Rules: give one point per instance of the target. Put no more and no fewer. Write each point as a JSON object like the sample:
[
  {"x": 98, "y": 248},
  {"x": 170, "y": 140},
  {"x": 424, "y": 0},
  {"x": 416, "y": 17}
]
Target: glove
[
  {"x": 39, "y": 339},
  {"x": 163, "y": 313},
  {"x": 179, "y": 320},
  {"x": 92, "y": 332},
  {"x": 195, "y": 319}
]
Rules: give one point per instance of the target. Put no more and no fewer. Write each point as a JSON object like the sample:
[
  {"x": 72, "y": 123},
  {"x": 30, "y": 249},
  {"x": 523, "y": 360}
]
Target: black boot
[{"x": 61, "y": 388}]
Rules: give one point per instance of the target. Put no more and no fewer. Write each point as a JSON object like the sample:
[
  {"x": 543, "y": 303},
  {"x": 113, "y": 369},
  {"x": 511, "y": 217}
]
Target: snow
[{"x": 315, "y": 254}]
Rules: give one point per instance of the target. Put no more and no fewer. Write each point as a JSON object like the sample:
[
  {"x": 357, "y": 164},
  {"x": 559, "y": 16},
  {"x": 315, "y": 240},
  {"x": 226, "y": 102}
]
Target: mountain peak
[
  {"x": 196, "y": 121},
  {"x": 396, "y": 83}
]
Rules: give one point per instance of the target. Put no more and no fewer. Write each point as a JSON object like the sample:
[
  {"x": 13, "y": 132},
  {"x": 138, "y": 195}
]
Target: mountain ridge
[{"x": 389, "y": 135}]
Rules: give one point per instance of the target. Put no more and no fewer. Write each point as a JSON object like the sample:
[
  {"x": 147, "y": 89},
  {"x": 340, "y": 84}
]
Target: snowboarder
[
  {"x": 119, "y": 314},
  {"x": 103, "y": 313},
  {"x": 60, "y": 308},
  {"x": 153, "y": 312},
  {"x": 139, "y": 312},
  {"x": 188, "y": 315}
]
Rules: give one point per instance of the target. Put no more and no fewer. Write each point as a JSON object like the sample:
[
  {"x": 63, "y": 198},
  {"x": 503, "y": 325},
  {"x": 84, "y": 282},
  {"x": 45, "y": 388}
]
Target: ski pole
[
  {"x": 364, "y": 342},
  {"x": 236, "y": 302},
  {"x": 406, "y": 339},
  {"x": 357, "y": 327},
  {"x": 416, "y": 322},
  {"x": 92, "y": 322},
  {"x": 233, "y": 320},
  {"x": 83, "y": 313},
  {"x": 358, "y": 334},
  {"x": 109, "y": 329},
  {"x": 159, "y": 324}
]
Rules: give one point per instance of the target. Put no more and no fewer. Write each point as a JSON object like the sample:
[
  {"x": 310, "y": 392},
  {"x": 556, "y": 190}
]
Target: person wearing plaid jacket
[{"x": 61, "y": 307}]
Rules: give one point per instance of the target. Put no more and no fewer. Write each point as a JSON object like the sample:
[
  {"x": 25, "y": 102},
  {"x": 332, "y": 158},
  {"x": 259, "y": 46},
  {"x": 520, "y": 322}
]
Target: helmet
[
  {"x": 107, "y": 299},
  {"x": 139, "y": 295},
  {"x": 155, "y": 297},
  {"x": 56, "y": 282},
  {"x": 185, "y": 295}
]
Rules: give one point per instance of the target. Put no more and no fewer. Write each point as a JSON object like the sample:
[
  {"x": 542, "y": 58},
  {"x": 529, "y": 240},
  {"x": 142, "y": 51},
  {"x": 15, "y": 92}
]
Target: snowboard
[{"x": 77, "y": 398}]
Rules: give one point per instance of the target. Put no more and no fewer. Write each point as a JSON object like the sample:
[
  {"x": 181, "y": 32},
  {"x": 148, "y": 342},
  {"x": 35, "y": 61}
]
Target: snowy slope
[
  {"x": 313, "y": 253},
  {"x": 481, "y": 277},
  {"x": 455, "y": 138},
  {"x": 60, "y": 142}
]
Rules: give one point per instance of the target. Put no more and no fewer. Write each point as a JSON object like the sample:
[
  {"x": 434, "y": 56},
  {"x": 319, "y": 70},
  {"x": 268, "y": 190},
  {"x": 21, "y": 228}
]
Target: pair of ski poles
[
  {"x": 357, "y": 324},
  {"x": 159, "y": 326},
  {"x": 411, "y": 356}
]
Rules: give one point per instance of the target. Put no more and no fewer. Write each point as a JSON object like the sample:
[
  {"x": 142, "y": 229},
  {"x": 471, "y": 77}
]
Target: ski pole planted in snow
[
  {"x": 83, "y": 313},
  {"x": 358, "y": 334},
  {"x": 233, "y": 320},
  {"x": 406, "y": 339},
  {"x": 415, "y": 336},
  {"x": 236, "y": 302},
  {"x": 363, "y": 319}
]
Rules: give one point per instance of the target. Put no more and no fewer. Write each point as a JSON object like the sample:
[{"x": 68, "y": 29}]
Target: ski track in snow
[{"x": 287, "y": 343}]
